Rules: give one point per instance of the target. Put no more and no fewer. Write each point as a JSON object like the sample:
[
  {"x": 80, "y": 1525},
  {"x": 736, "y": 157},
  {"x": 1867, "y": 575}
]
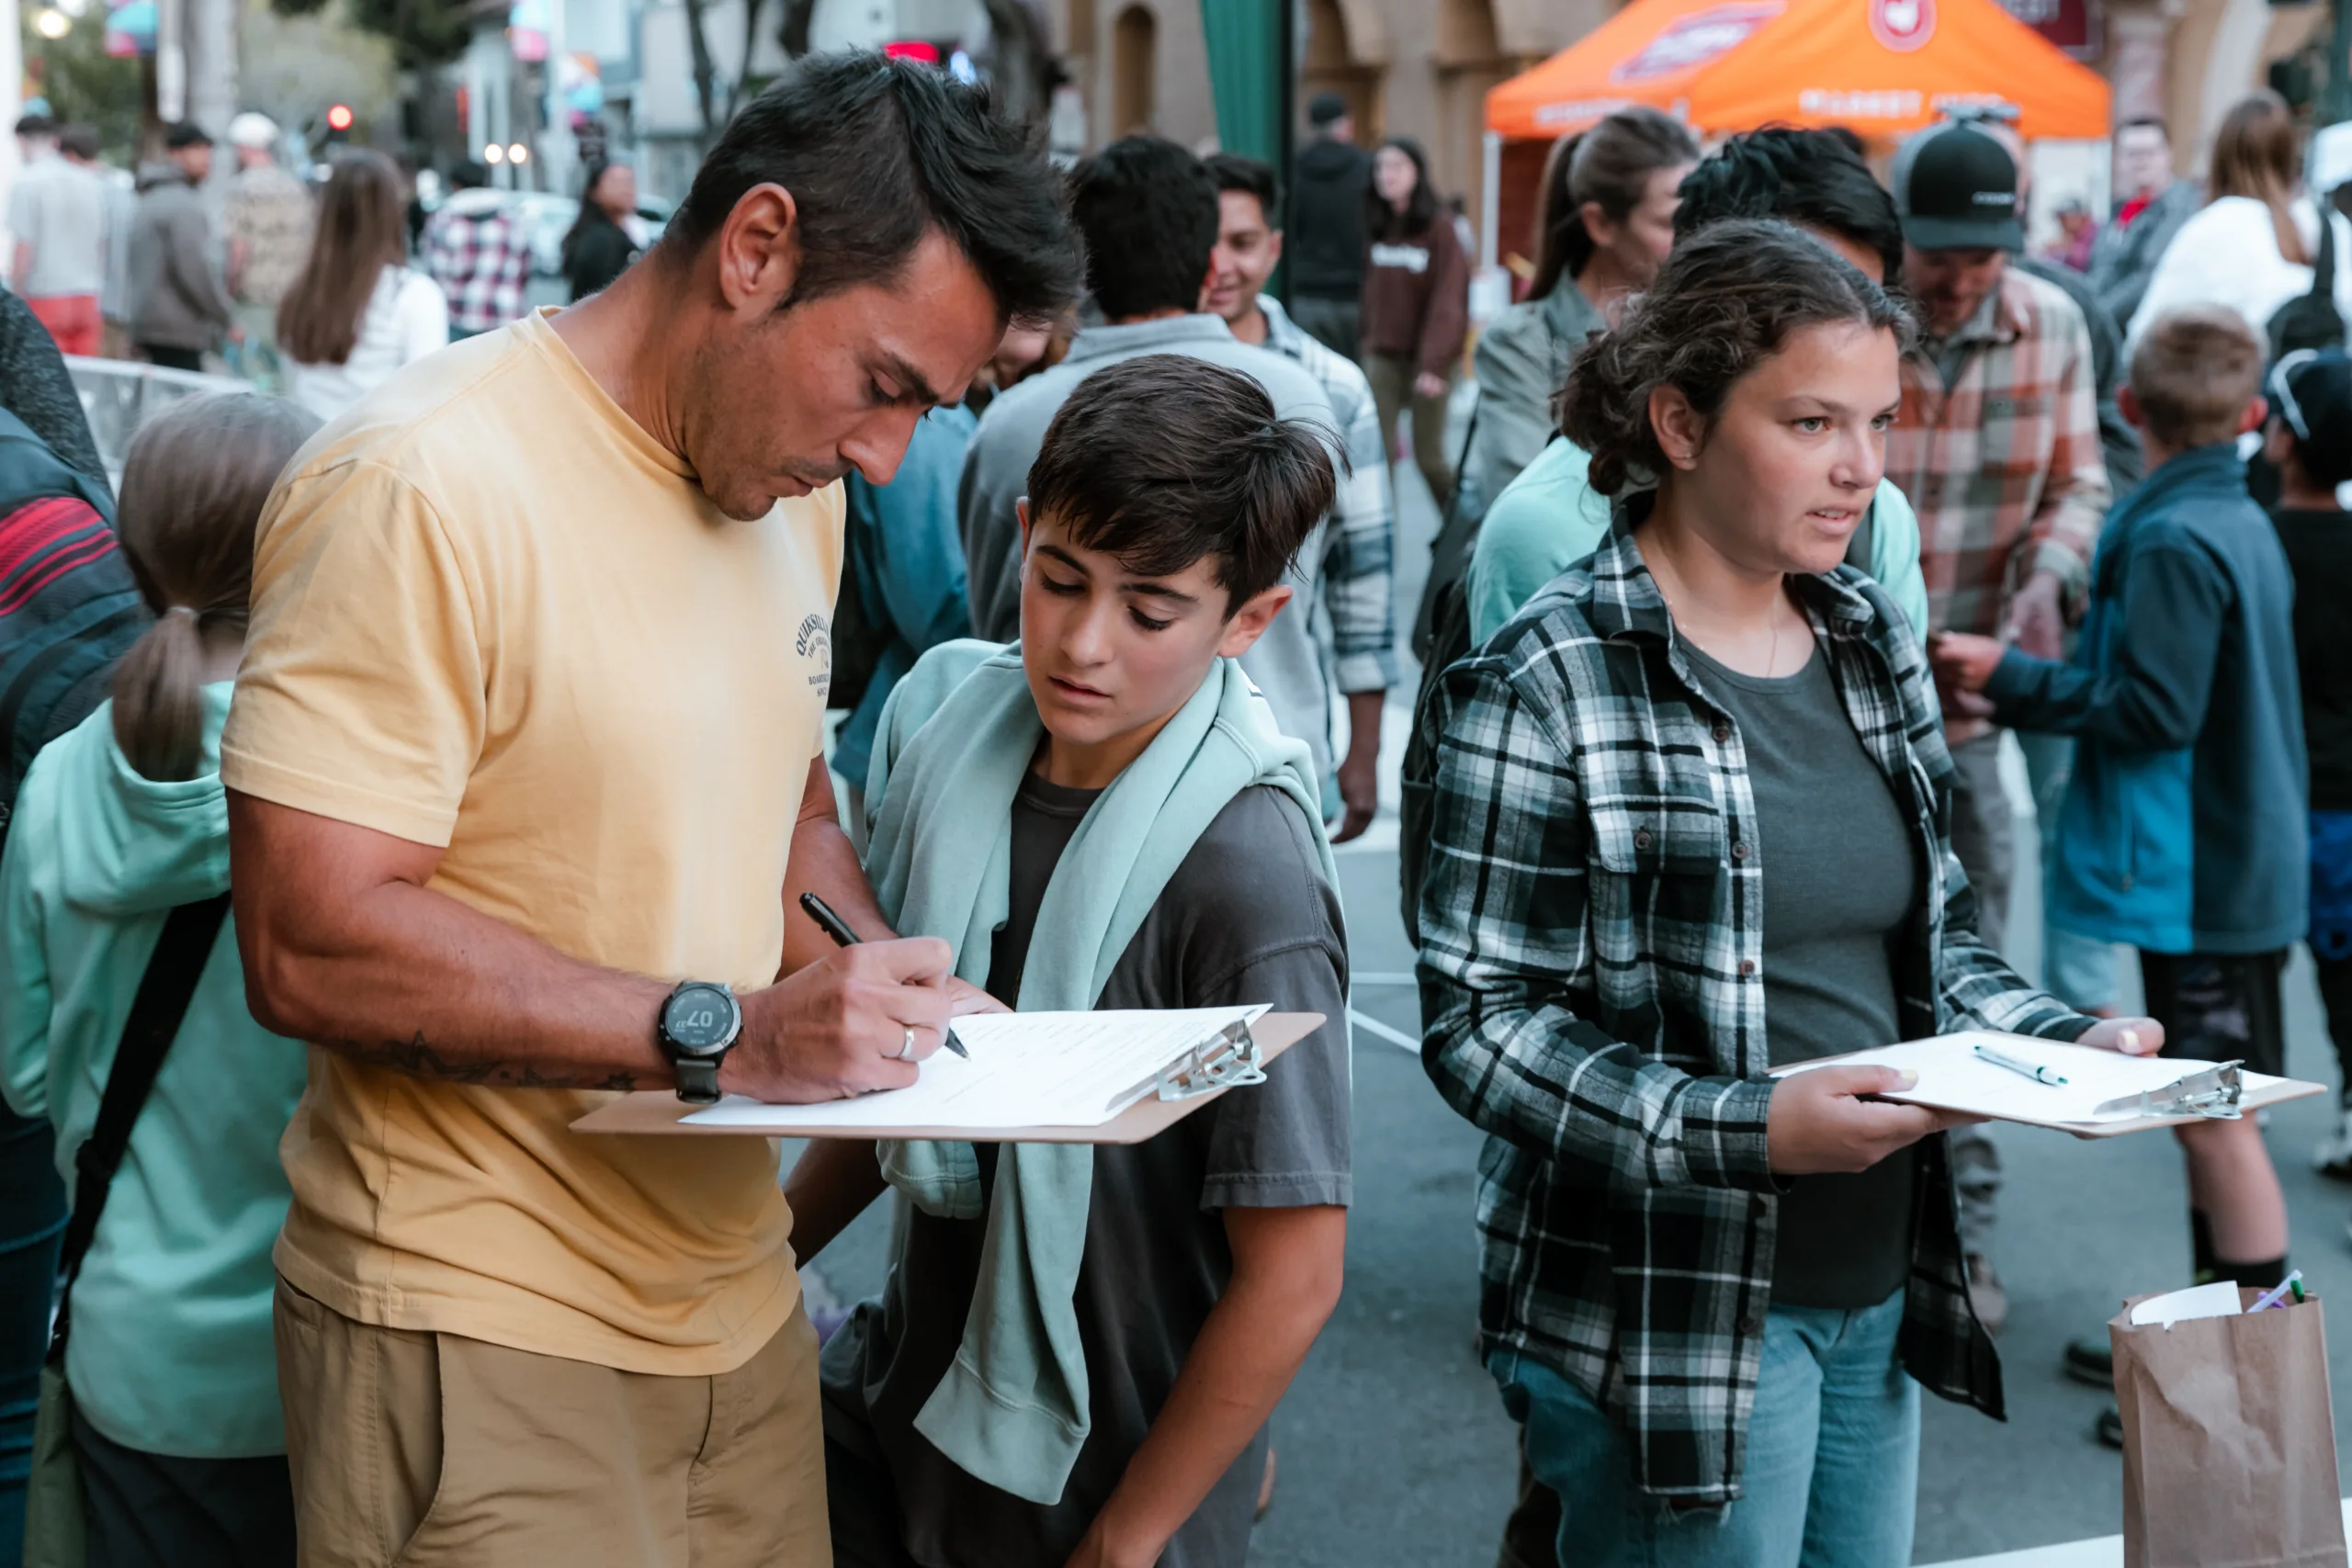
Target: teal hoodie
[{"x": 171, "y": 1351}]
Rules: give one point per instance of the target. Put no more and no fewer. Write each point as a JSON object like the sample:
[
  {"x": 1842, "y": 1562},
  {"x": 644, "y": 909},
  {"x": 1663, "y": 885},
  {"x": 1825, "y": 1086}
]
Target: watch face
[{"x": 699, "y": 1019}]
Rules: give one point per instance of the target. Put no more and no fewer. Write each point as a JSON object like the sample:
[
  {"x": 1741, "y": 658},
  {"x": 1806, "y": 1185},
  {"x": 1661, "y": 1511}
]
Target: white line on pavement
[{"x": 1373, "y": 1026}]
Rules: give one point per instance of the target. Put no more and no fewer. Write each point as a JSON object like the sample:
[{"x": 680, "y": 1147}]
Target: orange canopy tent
[{"x": 1883, "y": 67}]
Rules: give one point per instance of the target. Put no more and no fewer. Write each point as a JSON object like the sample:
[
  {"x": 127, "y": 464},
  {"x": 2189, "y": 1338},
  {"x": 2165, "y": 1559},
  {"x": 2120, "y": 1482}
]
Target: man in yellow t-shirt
[{"x": 524, "y": 770}]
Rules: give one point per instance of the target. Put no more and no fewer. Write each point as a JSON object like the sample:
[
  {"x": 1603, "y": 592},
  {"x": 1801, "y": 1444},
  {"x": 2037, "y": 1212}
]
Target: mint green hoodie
[{"x": 171, "y": 1351}]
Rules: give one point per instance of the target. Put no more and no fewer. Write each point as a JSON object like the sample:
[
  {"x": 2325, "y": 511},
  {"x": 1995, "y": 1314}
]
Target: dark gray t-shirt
[
  {"x": 1247, "y": 919},
  {"x": 1840, "y": 883}
]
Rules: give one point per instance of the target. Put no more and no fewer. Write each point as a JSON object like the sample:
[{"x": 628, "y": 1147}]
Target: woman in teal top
[
  {"x": 171, "y": 1364},
  {"x": 1550, "y": 518}
]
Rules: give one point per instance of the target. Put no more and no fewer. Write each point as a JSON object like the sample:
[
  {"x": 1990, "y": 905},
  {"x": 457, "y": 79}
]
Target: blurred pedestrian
[
  {"x": 602, "y": 241},
  {"x": 1148, "y": 210},
  {"x": 2150, "y": 207},
  {"x": 178, "y": 308},
  {"x": 529, "y": 731},
  {"x": 57, "y": 210},
  {"x": 1712, "y": 1297},
  {"x": 2077, "y": 233},
  {"x": 1605, "y": 224},
  {"x": 1416, "y": 306},
  {"x": 2309, "y": 441},
  {"x": 170, "y": 1369},
  {"x": 1328, "y": 190},
  {"x": 68, "y": 609},
  {"x": 2185, "y": 825},
  {"x": 1359, "y": 561},
  {"x": 358, "y": 312},
  {"x": 268, "y": 215},
  {"x": 479, "y": 253},
  {"x": 2251, "y": 245}
]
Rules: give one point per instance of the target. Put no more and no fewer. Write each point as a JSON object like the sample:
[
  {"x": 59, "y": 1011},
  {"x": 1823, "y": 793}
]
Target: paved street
[{"x": 1394, "y": 1449}]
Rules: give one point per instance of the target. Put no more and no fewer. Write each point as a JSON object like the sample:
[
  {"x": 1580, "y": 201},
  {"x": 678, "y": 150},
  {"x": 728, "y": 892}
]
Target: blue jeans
[
  {"x": 1832, "y": 1457},
  {"x": 2078, "y": 970},
  {"x": 32, "y": 1221}
]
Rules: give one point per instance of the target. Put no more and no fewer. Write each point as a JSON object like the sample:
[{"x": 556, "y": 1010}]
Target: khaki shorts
[{"x": 436, "y": 1451}]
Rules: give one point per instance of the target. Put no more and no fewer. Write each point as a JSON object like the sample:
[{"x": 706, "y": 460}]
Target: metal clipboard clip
[
  {"x": 1228, "y": 1059},
  {"x": 2213, "y": 1094}
]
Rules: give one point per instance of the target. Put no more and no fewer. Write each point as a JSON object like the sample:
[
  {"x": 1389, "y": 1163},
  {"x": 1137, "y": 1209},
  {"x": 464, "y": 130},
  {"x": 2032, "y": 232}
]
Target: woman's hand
[
  {"x": 1963, "y": 662},
  {"x": 2132, "y": 1037},
  {"x": 1820, "y": 1121}
]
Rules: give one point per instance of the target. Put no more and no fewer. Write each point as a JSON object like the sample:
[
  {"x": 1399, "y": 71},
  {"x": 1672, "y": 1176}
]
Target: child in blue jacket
[{"x": 2184, "y": 831}]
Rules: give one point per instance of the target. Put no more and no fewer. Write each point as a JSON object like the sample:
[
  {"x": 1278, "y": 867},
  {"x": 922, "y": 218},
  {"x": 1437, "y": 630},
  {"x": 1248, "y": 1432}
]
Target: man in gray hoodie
[{"x": 180, "y": 306}]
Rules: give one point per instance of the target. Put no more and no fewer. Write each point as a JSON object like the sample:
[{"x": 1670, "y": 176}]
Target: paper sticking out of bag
[{"x": 2219, "y": 1298}]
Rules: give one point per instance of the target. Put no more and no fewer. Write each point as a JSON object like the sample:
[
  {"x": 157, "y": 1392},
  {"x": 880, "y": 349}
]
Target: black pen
[{"x": 834, "y": 926}]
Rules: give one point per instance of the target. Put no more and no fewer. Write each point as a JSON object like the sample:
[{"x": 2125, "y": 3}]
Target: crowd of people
[{"x": 480, "y": 691}]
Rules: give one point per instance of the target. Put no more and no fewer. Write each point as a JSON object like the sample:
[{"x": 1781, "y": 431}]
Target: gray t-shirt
[
  {"x": 59, "y": 208},
  {"x": 1247, "y": 918},
  {"x": 1840, "y": 883}
]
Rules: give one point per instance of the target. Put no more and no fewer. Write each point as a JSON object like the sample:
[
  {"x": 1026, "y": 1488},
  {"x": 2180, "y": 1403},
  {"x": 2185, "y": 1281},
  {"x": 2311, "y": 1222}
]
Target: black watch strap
[{"x": 697, "y": 1081}]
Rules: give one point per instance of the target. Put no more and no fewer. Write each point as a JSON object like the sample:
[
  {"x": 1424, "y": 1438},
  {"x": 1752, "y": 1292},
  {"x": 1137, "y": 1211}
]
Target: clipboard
[
  {"x": 2257, "y": 1092},
  {"x": 661, "y": 1113}
]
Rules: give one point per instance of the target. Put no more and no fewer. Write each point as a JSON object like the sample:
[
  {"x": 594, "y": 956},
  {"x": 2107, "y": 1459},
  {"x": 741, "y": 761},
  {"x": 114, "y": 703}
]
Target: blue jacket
[{"x": 2184, "y": 828}]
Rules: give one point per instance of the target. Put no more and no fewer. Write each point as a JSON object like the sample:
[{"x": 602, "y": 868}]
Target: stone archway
[
  {"x": 1135, "y": 72},
  {"x": 1330, "y": 63},
  {"x": 1470, "y": 61}
]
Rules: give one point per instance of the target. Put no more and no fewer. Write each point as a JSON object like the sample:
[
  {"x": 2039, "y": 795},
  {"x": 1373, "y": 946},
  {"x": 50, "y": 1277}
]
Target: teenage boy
[
  {"x": 1157, "y": 845},
  {"x": 2310, "y": 442},
  {"x": 1360, "y": 557},
  {"x": 2184, "y": 829}
]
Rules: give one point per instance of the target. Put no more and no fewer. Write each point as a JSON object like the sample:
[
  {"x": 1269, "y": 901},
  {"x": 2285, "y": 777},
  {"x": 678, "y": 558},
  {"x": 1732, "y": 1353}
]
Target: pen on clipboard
[
  {"x": 834, "y": 926},
  {"x": 2018, "y": 1065}
]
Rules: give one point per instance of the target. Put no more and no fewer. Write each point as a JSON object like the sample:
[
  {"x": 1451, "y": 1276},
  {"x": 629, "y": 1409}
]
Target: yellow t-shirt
[{"x": 491, "y": 614}]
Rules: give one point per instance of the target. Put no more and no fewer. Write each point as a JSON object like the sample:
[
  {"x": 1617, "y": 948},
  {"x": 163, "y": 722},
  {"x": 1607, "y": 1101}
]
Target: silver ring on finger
[{"x": 907, "y": 1046}]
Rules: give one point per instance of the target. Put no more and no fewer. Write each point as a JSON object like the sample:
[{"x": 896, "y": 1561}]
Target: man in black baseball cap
[{"x": 1997, "y": 449}]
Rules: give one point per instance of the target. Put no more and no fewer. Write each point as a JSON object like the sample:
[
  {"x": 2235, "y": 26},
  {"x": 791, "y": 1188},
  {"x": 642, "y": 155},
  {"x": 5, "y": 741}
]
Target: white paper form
[
  {"x": 1953, "y": 1077},
  {"x": 1026, "y": 1070}
]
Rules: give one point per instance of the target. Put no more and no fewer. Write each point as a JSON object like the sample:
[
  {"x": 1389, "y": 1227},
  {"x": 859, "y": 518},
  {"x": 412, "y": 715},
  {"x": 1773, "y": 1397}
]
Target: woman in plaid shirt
[{"x": 1711, "y": 1297}]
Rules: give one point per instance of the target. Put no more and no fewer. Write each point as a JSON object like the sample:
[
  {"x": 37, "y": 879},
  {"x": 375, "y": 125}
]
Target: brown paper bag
[{"x": 2229, "y": 1441}]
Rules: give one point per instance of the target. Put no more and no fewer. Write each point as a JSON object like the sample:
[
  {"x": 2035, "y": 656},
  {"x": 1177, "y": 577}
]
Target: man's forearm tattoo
[{"x": 416, "y": 1058}]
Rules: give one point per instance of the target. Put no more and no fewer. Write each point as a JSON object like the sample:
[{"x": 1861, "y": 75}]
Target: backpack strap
[{"x": 165, "y": 991}]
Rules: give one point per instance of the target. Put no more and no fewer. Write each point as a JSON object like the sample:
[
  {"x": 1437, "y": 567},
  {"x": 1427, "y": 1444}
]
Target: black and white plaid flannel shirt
[{"x": 1591, "y": 976}]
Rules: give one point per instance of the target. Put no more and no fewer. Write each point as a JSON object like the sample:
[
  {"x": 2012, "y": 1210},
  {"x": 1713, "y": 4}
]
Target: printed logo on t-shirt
[
  {"x": 1412, "y": 258},
  {"x": 816, "y": 644}
]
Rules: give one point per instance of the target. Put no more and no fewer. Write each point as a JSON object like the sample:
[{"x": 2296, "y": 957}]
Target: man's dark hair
[
  {"x": 1164, "y": 459},
  {"x": 35, "y": 125},
  {"x": 876, "y": 154},
  {"x": 1324, "y": 108},
  {"x": 1806, "y": 177},
  {"x": 1255, "y": 175},
  {"x": 469, "y": 176},
  {"x": 79, "y": 141},
  {"x": 2146, "y": 122},
  {"x": 1148, "y": 209},
  {"x": 186, "y": 134}
]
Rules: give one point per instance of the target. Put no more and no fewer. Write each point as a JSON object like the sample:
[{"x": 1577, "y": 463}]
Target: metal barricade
[{"x": 120, "y": 395}]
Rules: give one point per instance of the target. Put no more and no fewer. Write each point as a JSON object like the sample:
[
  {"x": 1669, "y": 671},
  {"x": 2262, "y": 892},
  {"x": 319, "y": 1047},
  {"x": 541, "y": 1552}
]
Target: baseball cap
[
  {"x": 2311, "y": 391},
  {"x": 187, "y": 133},
  {"x": 1956, "y": 188},
  {"x": 254, "y": 130},
  {"x": 1325, "y": 107}
]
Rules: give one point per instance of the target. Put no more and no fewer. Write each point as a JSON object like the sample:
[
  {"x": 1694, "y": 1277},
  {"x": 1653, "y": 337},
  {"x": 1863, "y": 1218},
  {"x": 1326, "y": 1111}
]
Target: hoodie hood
[
  {"x": 161, "y": 172},
  {"x": 124, "y": 844}
]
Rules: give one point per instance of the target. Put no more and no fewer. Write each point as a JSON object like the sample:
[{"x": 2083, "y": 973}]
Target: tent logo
[
  {"x": 1701, "y": 39},
  {"x": 1902, "y": 25}
]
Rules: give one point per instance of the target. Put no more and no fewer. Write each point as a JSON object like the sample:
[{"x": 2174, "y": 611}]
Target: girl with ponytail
[{"x": 171, "y": 1374}]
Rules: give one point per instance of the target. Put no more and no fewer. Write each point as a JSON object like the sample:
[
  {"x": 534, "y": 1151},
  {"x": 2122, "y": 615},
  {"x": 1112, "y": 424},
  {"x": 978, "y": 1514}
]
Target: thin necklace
[{"x": 1771, "y": 658}]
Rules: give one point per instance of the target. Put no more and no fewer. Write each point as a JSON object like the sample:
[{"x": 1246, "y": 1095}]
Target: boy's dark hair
[
  {"x": 2193, "y": 374},
  {"x": 31, "y": 125},
  {"x": 470, "y": 175},
  {"x": 1725, "y": 302},
  {"x": 1163, "y": 459},
  {"x": 79, "y": 141},
  {"x": 1148, "y": 209},
  {"x": 186, "y": 134},
  {"x": 876, "y": 154},
  {"x": 1807, "y": 177},
  {"x": 1234, "y": 171}
]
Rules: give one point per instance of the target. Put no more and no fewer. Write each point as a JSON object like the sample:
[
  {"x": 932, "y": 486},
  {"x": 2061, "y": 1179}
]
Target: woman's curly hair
[{"x": 1723, "y": 303}]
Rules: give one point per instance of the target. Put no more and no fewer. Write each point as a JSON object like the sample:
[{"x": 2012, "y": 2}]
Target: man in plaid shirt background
[
  {"x": 479, "y": 254},
  {"x": 1998, "y": 450}
]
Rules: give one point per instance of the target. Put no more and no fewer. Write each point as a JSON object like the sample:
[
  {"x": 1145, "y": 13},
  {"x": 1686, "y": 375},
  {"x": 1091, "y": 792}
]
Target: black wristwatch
[{"x": 696, "y": 1028}]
